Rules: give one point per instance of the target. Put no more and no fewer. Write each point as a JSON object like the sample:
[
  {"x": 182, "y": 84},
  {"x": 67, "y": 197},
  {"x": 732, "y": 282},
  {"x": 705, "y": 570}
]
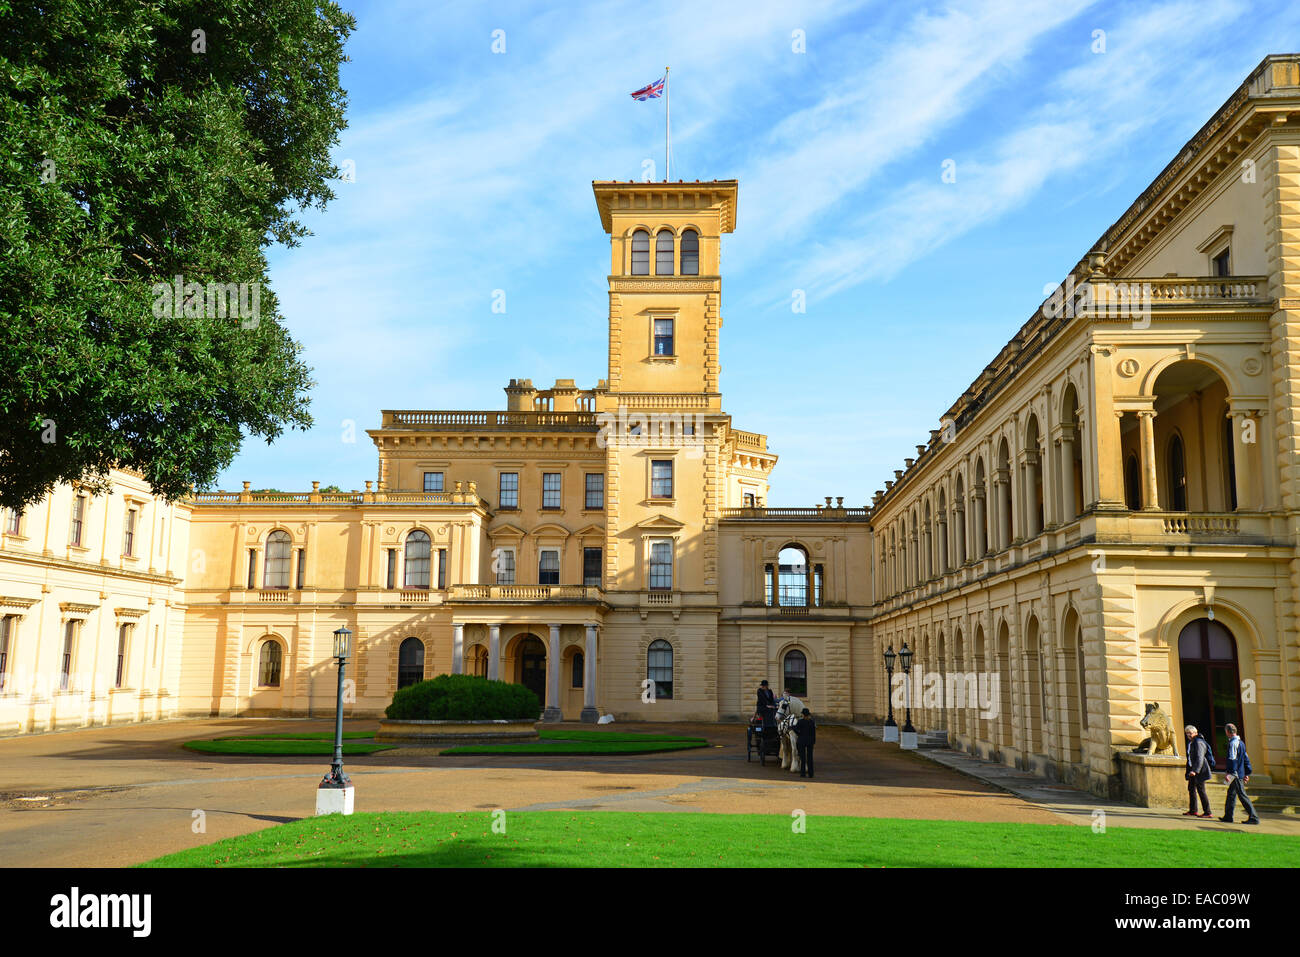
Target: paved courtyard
[{"x": 119, "y": 795}]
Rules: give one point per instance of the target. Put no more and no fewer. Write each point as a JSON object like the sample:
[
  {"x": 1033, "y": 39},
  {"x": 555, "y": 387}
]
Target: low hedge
[{"x": 464, "y": 698}]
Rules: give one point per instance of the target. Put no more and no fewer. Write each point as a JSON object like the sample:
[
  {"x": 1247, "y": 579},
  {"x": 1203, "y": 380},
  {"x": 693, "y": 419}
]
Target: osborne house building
[{"x": 1107, "y": 517}]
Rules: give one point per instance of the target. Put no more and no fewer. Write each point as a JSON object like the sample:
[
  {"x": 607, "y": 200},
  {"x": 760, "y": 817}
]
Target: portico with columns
[{"x": 555, "y": 655}]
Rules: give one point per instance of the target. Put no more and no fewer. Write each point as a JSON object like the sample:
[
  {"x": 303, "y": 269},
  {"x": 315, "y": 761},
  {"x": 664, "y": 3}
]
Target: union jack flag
[{"x": 651, "y": 91}]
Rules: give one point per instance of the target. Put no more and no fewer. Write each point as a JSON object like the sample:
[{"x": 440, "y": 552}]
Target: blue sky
[{"x": 474, "y": 170}]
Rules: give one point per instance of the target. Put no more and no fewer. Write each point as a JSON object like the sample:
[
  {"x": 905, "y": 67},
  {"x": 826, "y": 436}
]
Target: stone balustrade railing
[
  {"x": 507, "y": 593},
  {"x": 763, "y": 513},
  {"x": 499, "y": 421}
]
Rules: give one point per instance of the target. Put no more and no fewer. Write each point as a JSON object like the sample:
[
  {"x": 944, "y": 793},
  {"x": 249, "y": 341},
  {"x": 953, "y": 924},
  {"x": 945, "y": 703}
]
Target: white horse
[{"x": 788, "y": 711}]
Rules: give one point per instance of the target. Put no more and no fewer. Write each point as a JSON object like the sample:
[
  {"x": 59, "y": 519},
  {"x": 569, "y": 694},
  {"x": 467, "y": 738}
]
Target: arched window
[
  {"x": 1177, "y": 475},
  {"x": 660, "y": 668},
  {"x": 478, "y": 661},
  {"x": 410, "y": 662},
  {"x": 1132, "y": 484},
  {"x": 664, "y": 253},
  {"x": 794, "y": 672},
  {"x": 268, "y": 664},
  {"x": 690, "y": 253},
  {"x": 416, "y": 566},
  {"x": 276, "y": 574},
  {"x": 640, "y": 253},
  {"x": 577, "y": 669},
  {"x": 793, "y": 576}
]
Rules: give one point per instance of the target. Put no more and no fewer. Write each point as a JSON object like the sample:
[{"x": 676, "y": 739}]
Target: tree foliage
[{"x": 139, "y": 142}]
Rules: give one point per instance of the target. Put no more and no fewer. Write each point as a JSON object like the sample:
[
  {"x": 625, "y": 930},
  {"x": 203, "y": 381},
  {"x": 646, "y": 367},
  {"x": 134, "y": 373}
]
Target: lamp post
[
  {"x": 891, "y": 727},
  {"x": 334, "y": 795},
  {"x": 907, "y": 738}
]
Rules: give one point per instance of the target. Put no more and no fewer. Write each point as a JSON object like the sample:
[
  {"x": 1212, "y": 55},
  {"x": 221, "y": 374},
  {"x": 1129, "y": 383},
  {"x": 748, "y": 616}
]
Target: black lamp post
[
  {"x": 342, "y": 650},
  {"x": 889, "y": 685},
  {"x": 905, "y": 660}
]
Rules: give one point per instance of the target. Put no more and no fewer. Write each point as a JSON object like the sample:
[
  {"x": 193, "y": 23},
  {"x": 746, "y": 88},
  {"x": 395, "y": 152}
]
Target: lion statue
[{"x": 1161, "y": 729}]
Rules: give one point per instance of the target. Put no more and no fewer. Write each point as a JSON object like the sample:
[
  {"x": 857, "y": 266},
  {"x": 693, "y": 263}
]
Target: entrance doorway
[
  {"x": 1207, "y": 659},
  {"x": 532, "y": 666}
]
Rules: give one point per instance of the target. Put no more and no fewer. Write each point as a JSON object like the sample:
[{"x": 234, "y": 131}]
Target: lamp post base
[
  {"x": 891, "y": 732},
  {"x": 907, "y": 740},
  {"x": 334, "y": 800}
]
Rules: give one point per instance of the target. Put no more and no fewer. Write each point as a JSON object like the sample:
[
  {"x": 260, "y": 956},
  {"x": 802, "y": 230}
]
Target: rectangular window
[
  {"x": 548, "y": 567},
  {"x": 6, "y": 635},
  {"x": 122, "y": 632},
  {"x": 749, "y": 500},
  {"x": 661, "y": 564},
  {"x": 302, "y": 568},
  {"x": 13, "y": 522},
  {"x": 505, "y": 561},
  {"x": 509, "y": 496},
  {"x": 663, "y": 337},
  {"x": 595, "y": 490},
  {"x": 577, "y": 670},
  {"x": 550, "y": 490},
  {"x": 433, "y": 481},
  {"x": 1222, "y": 265},
  {"x": 78, "y": 515},
  {"x": 819, "y": 573},
  {"x": 128, "y": 535},
  {"x": 661, "y": 478},
  {"x": 392, "y": 568},
  {"x": 591, "y": 560},
  {"x": 65, "y": 665},
  {"x": 442, "y": 568},
  {"x": 252, "y": 568}
]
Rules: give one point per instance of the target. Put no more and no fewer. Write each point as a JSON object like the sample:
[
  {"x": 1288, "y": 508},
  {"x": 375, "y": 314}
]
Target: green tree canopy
[{"x": 141, "y": 142}]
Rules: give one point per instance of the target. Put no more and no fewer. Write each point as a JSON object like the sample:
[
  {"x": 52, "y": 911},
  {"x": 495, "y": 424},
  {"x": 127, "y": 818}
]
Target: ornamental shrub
[{"x": 464, "y": 698}]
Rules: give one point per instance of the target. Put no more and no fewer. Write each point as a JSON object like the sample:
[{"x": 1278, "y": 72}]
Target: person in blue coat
[{"x": 1237, "y": 775}]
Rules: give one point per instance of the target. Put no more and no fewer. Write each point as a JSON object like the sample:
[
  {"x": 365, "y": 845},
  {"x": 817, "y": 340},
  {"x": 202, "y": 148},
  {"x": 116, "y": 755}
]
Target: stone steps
[
  {"x": 932, "y": 739},
  {"x": 1263, "y": 793}
]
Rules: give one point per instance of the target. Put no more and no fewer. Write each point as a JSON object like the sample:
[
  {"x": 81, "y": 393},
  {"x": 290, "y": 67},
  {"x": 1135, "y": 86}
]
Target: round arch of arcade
[{"x": 1184, "y": 675}]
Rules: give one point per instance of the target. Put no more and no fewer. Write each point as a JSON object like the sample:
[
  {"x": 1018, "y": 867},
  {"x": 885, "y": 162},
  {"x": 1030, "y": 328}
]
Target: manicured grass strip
[
  {"x": 622, "y": 839},
  {"x": 560, "y": 735},
  {"x": 577, "y": 747},
  {"x": 283, "y": 746},
  {"x": 303, "y": 736}
]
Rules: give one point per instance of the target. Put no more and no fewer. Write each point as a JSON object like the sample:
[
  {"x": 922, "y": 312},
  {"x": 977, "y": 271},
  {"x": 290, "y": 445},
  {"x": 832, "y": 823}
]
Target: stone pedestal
[
  {"x": 1153, "y": 780},
  {"x": 552, "y": 714},
  {"x": 334, "y": 800},
  {"x": 891, "y": 733},
  {"x": 589, "y": 715},
  {"x": 907, "y": 740}
]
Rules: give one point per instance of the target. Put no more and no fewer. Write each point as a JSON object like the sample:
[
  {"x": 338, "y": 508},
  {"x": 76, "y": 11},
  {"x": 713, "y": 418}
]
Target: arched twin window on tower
[{"x": 669, "y": 252}]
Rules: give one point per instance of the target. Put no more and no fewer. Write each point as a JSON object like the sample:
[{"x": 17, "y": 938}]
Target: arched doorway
[
  {"x": 1211, "y": 682},
  {"x": 410, "y": 662},
  {"x": 532, "y": 665}
]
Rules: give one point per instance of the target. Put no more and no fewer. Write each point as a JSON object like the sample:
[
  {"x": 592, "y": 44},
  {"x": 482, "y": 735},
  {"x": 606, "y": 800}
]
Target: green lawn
[
  {"x": 262, "y": 745},
  {"x": 622, "y": 839},
  {"x": 586, "y": 742}
]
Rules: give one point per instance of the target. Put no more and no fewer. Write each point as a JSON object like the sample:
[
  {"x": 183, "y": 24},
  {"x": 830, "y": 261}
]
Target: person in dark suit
[
  {"x": 805, "y": 733},
  {"x": 1198, "y": 771},
  {"x": 1237, "y": 775},
  {"x": 766, "y": 702}
]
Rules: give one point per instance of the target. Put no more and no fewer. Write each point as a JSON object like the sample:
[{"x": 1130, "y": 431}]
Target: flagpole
[{"x": 668, "y": 132}]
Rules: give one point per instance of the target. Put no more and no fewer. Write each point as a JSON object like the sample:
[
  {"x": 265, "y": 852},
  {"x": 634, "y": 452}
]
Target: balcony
[
  {"x": 525, "y": 594},
  {"x": 1192, "y": 528},
  {"x": 457, "y": 421},
  {"x": 760, "y": 513},
  {"x": 660, "y": 600}
]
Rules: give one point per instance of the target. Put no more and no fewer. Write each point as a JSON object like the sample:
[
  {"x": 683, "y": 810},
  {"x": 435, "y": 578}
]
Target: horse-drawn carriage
[{"x": 773, "y": 734}]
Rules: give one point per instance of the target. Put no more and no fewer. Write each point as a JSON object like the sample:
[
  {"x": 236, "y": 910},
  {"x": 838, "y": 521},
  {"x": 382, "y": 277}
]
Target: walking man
[
  {"x": 1199, "y": 767},
  {"x": 1237, "y": 776},
  {"x": 805, "y": 733}
]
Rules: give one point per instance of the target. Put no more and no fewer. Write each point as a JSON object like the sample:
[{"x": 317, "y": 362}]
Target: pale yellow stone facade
[{"x": 1119, "y": 489}]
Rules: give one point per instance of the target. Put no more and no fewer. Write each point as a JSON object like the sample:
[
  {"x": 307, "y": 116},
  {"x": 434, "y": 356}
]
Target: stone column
[
  {"x": 589, "y": 712},
  {"x": 552, "y": 712},
  {"x": 1241, "y": 462},
  {"x": 1068, "y": 508},
  {"x": 1150, "y": 493},
  {"x": 494, "y": 652},
  {"x": 457, "y": 647},
  {"x": 981, "y": 525}
]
